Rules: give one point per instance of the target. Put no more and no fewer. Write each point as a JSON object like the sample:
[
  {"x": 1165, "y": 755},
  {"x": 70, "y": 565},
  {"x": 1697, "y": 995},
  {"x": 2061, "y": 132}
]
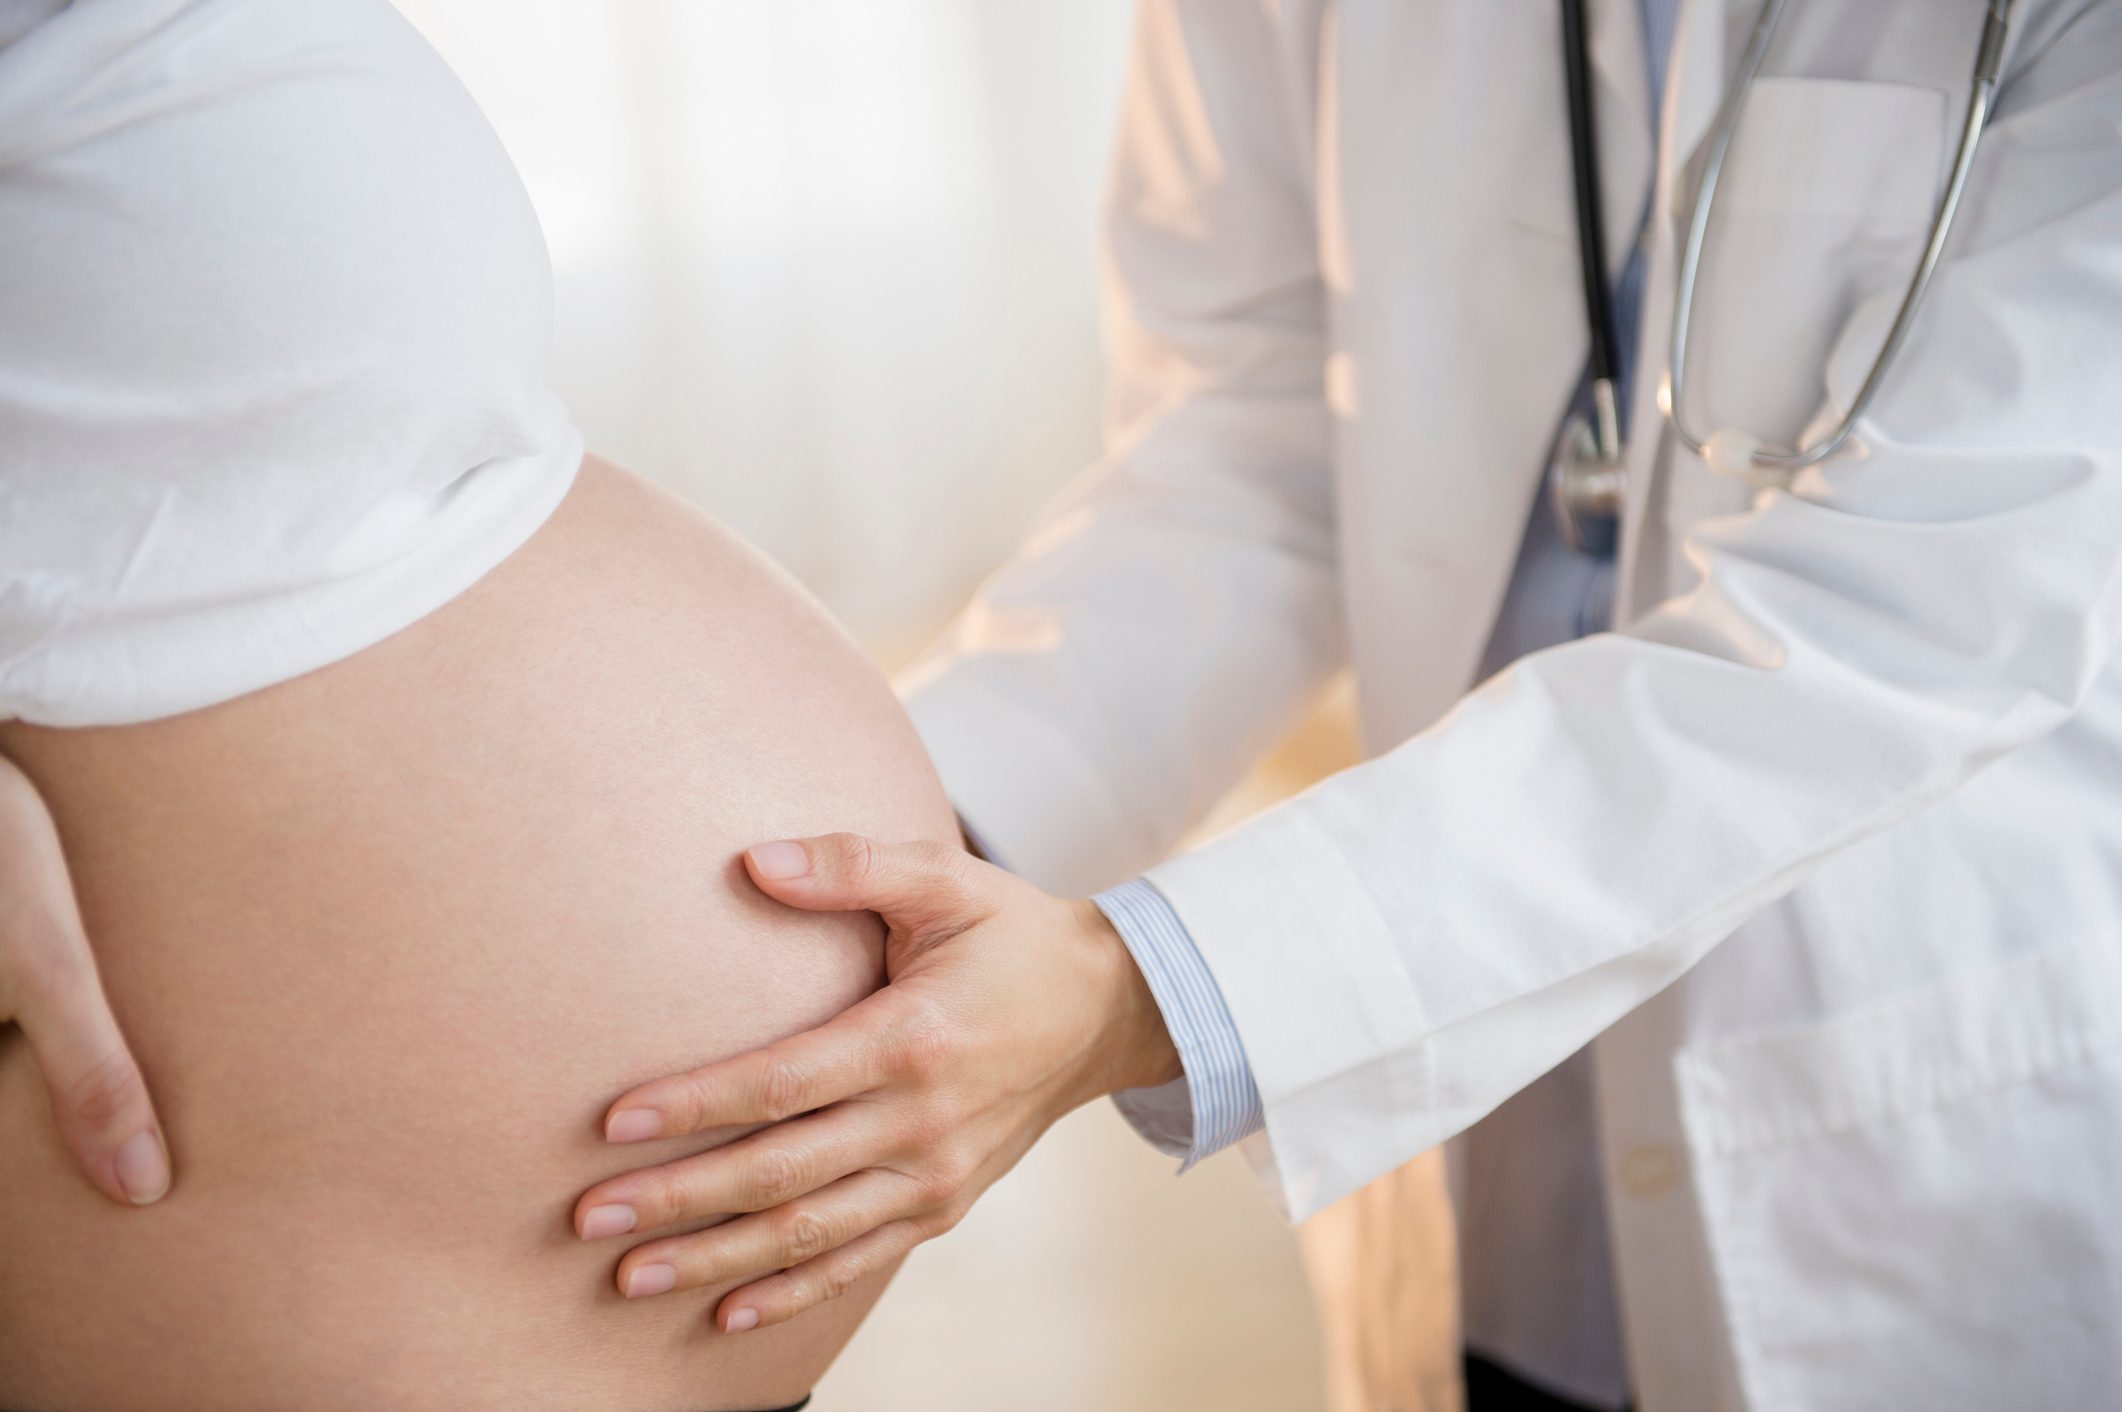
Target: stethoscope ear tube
[
  {"x": 1591, "y": 227},
  {"x": 1586, "y": 483}
]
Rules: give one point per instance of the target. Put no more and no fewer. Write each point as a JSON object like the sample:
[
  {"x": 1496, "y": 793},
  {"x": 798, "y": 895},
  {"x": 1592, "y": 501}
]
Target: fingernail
[
  {"x": 633, "y": 1125},
  {"x": 143, "y": 1169},
  {"x": 781, "y": 860},
  {"x": 601, "y": 1221},
  {"x": 741, "y": 1320},
  {"x": 651, "y": 1279}
]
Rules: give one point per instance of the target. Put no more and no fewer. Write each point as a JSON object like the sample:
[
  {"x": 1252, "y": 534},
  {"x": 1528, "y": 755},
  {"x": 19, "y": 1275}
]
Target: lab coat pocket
[
  {"x": 1914, "y": 1204},
  {"x": 1826, "y": 196}
]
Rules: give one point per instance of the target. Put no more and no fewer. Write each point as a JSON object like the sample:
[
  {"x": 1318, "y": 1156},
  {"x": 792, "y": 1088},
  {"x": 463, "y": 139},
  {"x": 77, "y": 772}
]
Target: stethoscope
[{"x": 1588, "y": 481}]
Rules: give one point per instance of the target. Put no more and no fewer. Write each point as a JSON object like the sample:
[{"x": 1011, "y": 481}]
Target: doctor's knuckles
[{"x": 1006, "y": 1008}]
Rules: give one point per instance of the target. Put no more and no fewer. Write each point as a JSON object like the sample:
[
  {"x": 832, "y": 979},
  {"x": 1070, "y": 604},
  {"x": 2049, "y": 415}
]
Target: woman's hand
[
  {"x": 1006, "y": 1008},
  {"x": 49, "y": 986}
]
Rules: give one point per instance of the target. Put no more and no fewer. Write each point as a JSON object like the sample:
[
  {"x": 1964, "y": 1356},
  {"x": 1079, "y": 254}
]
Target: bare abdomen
[{"x": 389, "y": 937}]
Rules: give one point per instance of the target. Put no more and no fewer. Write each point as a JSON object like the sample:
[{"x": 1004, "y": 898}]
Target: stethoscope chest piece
[{"x": 1586, "y": 488}]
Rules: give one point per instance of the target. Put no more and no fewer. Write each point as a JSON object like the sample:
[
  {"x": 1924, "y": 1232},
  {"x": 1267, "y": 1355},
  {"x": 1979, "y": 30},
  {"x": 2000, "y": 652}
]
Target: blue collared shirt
[
  {"x": 1216, "y": 1103},
  {"x": 1555, "y": 595}
]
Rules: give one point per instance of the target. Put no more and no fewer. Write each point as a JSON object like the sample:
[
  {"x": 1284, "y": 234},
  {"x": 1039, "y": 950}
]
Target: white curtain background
[{"x": 826, "y": 268}]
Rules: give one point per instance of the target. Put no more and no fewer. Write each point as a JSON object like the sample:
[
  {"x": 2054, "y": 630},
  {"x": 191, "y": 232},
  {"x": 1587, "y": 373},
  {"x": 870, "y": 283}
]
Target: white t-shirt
[{"x": 274, "y": 320}]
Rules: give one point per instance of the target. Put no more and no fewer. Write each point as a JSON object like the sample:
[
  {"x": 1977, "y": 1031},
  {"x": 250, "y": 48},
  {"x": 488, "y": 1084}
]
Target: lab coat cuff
[
  {"x": 1317, "y": 987},
  {"x": 1023, "y": 788},
  {"x": 1216, "y": 1104}
]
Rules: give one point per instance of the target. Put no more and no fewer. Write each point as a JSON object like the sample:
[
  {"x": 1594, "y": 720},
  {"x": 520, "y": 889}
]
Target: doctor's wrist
[{"x": 1134, "y": 1048}]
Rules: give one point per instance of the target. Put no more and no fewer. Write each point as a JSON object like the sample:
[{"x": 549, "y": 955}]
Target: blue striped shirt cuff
[{"x": 1217, "y": 1103}]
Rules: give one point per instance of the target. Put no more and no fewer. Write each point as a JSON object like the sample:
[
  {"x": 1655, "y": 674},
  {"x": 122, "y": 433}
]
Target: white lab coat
[{"x": 1822, "y": 854}]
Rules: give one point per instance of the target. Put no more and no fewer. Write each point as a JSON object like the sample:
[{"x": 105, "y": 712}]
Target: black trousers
[{"x": 1491, "y": 1387}]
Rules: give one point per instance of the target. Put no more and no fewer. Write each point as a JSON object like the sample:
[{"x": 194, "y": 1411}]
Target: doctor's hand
[
  {"x": 1005, "y": 1009},
  {"x": 49, "y": 986}
]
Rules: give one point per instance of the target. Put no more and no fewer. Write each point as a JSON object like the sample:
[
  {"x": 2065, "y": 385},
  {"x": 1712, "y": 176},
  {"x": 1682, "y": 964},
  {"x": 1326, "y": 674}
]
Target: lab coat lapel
[
  {"x": 1451, "y": 271},
  {"x": 1620, "y": 69}
]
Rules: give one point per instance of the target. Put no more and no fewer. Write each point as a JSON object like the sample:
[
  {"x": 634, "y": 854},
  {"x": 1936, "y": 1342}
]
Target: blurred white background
[{"x": 826, "y": 267}]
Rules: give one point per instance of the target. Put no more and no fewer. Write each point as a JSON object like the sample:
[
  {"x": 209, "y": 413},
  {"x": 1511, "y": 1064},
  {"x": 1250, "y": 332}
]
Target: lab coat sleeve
[
  {"x": 1176, "y": 611},
  {"x": 1412, "y": 941}
]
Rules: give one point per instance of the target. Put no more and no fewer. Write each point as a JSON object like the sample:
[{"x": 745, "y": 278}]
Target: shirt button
[{"x": 1649, "y": 1172}]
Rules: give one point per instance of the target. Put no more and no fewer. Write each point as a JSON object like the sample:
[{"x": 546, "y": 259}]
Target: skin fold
[{"x": 389, "y": 938}]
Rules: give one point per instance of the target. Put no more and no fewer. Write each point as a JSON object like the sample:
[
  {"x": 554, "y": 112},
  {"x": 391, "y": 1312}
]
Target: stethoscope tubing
[
  {"x": 1980, "y": 104},
  {"x": 1591, "y": 228}
]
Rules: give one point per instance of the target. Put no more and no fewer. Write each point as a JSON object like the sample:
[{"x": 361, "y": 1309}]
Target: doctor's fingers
[
  {"x": 850, "y": 1054},
  {"x": 916, "y": 887},
  {"x": 774, "y": 1165},
  {"x": 781, "y": 1297},
  {"x": 786, "y": 1237}
]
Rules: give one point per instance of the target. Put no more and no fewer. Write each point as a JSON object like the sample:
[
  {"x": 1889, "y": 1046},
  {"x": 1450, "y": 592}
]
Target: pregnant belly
[{"x": 388, "y": 938}]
